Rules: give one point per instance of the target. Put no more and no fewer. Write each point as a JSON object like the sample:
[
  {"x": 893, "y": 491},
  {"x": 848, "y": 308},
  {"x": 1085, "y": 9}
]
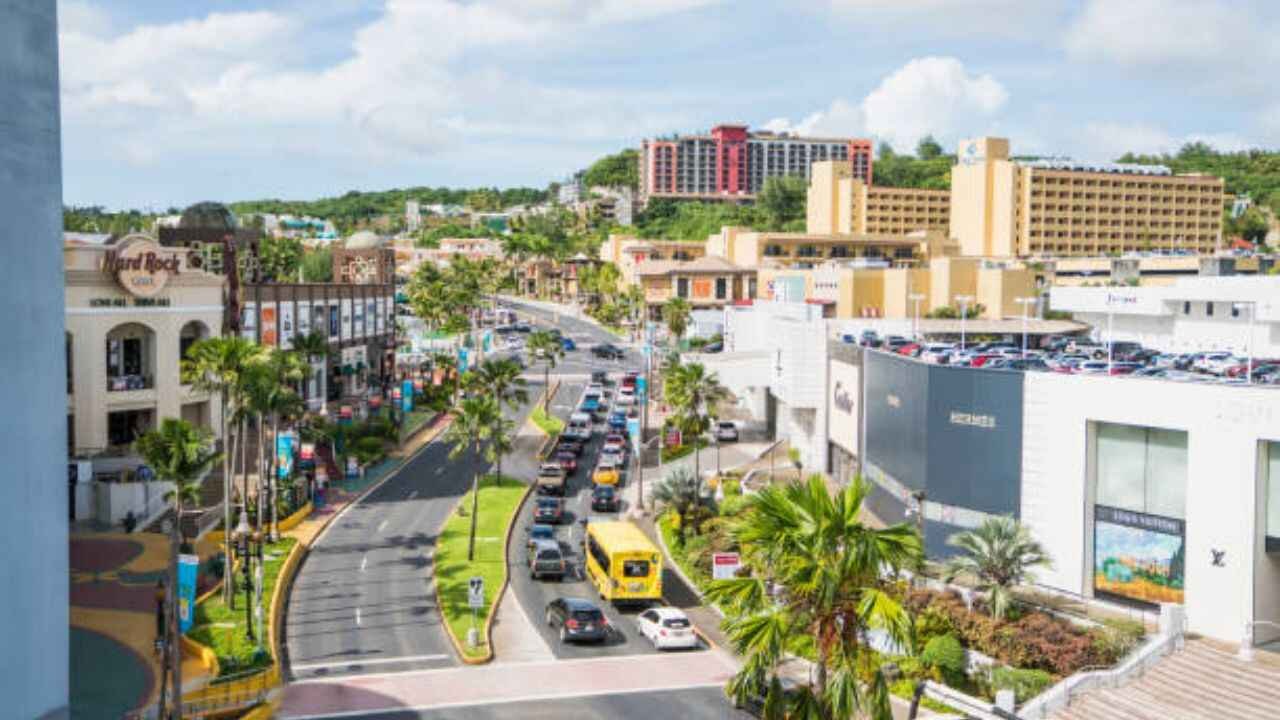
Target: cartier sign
[{"x": 141, "y": 266}]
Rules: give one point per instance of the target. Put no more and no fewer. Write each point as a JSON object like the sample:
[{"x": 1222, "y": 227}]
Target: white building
[
  {"x": 1194, "y": 314},
  {"x": 412, "y": 215}
]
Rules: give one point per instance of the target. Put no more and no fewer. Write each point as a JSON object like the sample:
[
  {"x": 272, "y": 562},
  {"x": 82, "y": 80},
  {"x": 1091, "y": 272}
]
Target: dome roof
[
  {"x": 364, "y": 240},
  {"x": 207, "y": 215}
]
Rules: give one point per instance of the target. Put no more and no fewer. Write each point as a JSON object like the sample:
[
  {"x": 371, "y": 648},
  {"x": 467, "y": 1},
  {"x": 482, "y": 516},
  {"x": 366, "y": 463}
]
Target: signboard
[
  {"x": 353, "y": 469},
  {"x": 141, "y": 266},
  {"x": 633, "y": 431},
  {"x": 406, "y": 396},
  {"x": 344, "y": 415},
  {"x": 286, "y": 325},
  {"x": 475, "y": 593},
  {"x": 417, "y": 384},
  {"x": 1138, "y": 556},
  {"x": 844, "y": 393},
  {"x": 284, "y": 454},
  {"x": 673, "y": 438},
  {"x": 269, "y": 325},
  {"x": 724, "y": 566},
  {"x": 701, "y": 288},
  {"x": 488, "y": 341},
  {"x": 308, "y": 451},
  {"x": 641, "y": 386},
  {"x": 463, "y": 357},
  {"x": 188, "y": 568}
]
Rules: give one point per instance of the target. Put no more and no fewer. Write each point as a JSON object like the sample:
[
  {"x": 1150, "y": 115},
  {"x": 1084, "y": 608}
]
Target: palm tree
[
  {"x": 694, "y": 393},
  {"x": 473, "y": 423},
  {"x": 1000, "y": 555},
  {"x": 500, "y": 379},
  {"x": 548, "y": 348},
  {"x": 216, "y": 365},
  {"x": 501, "y": 441},
  {"x": 815, "y": 546},
  {"x": 179, "y": 453},
  {"x": 314, "y": 346},
  {"x": 676, "y": 312},
  {"x": 678, "y": 492}
]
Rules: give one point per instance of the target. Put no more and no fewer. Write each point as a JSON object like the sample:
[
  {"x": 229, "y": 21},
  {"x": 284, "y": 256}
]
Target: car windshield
[
  {"x": 548, "y": 503},
  {"x": 548, "y": 554},
  {"x": 542, "y": 531},
  {"x": 605, "y": 491},
  {"x": 635, "y": 568}
]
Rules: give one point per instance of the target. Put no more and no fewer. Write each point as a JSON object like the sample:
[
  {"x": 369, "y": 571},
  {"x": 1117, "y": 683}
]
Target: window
[
  {"x": 1142, "y": 469},
  {"x": 1186, "y": 307},
  {"x": 598, "y": 553},
  {"x": 1271, "y": 462},
  {"x": 1235, "y": 310},
  {"x": 635, "y": 568},
  {"x": 1208, "y": 309},
  {"x": 722, "y": 288},
  {"x": 682, "y": 287}
]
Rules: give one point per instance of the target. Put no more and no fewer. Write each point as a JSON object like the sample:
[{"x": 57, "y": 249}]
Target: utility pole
[
  {"x": 915, "y": 328},
  {"x": 964, "y": 301},
  {"x": 1026, "y": 303}
]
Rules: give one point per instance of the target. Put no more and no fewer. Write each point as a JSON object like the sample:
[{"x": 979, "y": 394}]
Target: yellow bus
[{"x": 622, "y": 563}]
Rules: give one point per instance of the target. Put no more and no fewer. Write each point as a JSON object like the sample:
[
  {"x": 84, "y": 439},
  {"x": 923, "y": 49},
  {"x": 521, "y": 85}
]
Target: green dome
[{"x": 207, "y": 216}]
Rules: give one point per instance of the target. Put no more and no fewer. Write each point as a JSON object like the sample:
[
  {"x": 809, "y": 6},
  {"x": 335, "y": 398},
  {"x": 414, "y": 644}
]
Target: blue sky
[{"x": 167, "y": 103}]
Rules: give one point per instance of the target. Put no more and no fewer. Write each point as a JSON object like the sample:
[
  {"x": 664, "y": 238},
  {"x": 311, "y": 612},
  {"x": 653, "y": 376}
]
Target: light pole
[
  {"x": 243, "y": 535},
  {"x": 1026, "y": 303},
  {"x": 1253, "y": 311},
  {"x": 915, "y": 298},
  {"x": 964, "y": 301}
]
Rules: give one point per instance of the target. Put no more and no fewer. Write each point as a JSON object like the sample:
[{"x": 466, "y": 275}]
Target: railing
[
  {"x": 126, "y": 383},
  {"x": 220, "y": 697}
]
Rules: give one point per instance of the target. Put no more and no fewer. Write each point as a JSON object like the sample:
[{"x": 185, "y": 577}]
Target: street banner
[
  {"x": 488, "y": 341},
  {"x": 437, "y": 376},
  {"x": 642, "y": 387},
  {"x": 284, "y": 454},
  {"x": 353, "y": 469},
  {"x": 188, "y": 569},
  {"x": 344, "y": 415},
  {"x": 724, "y": 566},
  {"x": 375, "y": 401},
  {"x": 395, "y": 393},
  {"x": 464, "y": 357},
  {"x": 406, "y": 396},
  {"x": 633, "y": 431},
  {"x": 417, "y": 384},
  {"x": 673, "y": 438}
]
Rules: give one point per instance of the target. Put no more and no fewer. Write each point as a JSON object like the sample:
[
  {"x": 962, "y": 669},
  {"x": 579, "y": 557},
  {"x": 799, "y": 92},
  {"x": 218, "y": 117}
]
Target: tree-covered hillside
[{"x": 356, "y": 206}]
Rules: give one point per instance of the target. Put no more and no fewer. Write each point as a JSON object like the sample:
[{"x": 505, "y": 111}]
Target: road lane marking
[
  {"x": 357, "y": 616},
  {"x": 378, "y": 661},
  {"x": 413, "y": 494},
  {"x": 364, "y": 560},
  {"x": 382, "y": 526}
]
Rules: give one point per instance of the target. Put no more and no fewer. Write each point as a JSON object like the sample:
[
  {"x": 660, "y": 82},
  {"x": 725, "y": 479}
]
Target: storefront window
[
  {"x": 1142, "y": 469},
  {"x": 1272, "y": 469}
]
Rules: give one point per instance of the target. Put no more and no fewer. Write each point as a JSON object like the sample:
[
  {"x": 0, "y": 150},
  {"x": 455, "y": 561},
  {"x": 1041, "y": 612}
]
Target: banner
[
  {"x": 437, "y": 376},
  {"x": 284, "y": 454},
  {"x": 417, "y": 384},
  {"x": 406, "y": 396},
  {"x": 1138, "y": 556},
  {"x": 269, "y": 325},
  {"x": 344, "y": 415},
  {"x": 188, "y": 570},
  {"x": 462, "y": 359},
  {"x": 633, "y": 430},
  {"x": 353, "y": 469}
]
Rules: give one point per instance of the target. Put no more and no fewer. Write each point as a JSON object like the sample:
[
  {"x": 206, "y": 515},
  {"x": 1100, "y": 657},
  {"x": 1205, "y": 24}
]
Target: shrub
[
  {"x": 733, "y": 505},
  {"x": 1041, "y": 642},
  {"x": 945, "y": 655},
  {"x": 930, "y": 623},
  {"x": 732, "y": 487},
  {"x": 1025, "y": 684},
  {"x": 1116, "y": 639}
]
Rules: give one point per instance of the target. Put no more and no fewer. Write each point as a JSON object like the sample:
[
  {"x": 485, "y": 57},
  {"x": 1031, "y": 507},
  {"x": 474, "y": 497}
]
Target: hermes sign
[{"x": 141, "y": 266}]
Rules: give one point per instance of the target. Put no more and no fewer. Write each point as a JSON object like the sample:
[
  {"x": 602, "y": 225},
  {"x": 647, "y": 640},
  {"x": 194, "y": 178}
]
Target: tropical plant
[
  {"x": 828, "y": 564},
  {"x": 678, "y": 492},
  {"x": 999, "y": 555},
  {"x": 315, "y": 346},
  {"x": 548, "y": 348},
  {"x": 473, "y": 423},
  {"x": 501, "y": 441},
  {"x": 216, "y": 366},
  {"x": 694, "y": 393},
  {"x": 500, "y": 379},
  {"x": 676, "y": 313}
]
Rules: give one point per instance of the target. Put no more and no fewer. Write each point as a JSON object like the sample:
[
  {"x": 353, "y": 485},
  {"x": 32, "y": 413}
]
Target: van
[
  {"x": 546, "y": 560},
  {"x": 579, "y": 427}
]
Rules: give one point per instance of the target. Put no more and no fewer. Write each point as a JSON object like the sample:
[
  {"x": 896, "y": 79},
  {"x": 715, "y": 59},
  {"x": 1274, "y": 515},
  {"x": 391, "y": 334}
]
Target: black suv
[
  {"x": 608, "y": 351},
  {"x": 577, "y": 619},
  {"x": 604, "y": 498}
]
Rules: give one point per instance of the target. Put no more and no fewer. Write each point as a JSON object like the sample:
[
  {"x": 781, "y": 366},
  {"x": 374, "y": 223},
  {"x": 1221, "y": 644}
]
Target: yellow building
[
  {"x": 749, "y": 248},
  {"x": 708, "y": 282},
  {"x": 840, "y": 204},
  {"x": 899, "y": 292},
  {"x": 628, "y": 252},
  {"x": 1002, "y": 207}
]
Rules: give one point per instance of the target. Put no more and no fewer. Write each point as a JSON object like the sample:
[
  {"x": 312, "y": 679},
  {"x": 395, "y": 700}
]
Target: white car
[
  {"x": 935, "y": 352},
  {"x": 625, "y": 400},
  {"x": 667, "y": 628},
  {"x": 1217, "y": 363}
]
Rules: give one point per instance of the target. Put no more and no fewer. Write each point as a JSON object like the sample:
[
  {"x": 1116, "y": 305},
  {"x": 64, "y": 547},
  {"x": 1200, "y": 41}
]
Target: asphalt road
[
  {"x": 690, "y": 704},
  {"x": 363, "y": 600},
  {"x": 585, "y": 335}
]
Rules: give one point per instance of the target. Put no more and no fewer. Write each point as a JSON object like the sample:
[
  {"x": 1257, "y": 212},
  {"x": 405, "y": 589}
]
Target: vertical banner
[
  {"x": 417, "y": 384},
  {"x": 269, "y": 337},
  {"x": 188, "y": 569},
  {"x": 462, "y": 359},
  {"x": 488, "y": 341},
  {"x": 346, "y": 318},
  {"x": 357, "y": 322},
  {"x": 633, "y": 431},
  {"x": 406, "y": 396},
  {"x": 437, "y": 377},
  {"x": 344, "y": 415},
  {"x": 286, "y": 325},
  {"x": 284, "y": 454}
]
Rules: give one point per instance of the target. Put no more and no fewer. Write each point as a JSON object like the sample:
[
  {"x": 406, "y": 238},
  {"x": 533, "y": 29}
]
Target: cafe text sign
[{"x": 141, "y": 266}]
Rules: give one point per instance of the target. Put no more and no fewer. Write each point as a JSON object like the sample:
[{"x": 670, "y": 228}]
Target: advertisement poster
[
  {"x": 437, "y": 377},
  {"x": 357, "y": 321},
  {"x": 284, "y": 454},
  {"x": 346, "y": 318},
  {"x": 701, "y": 288},
  {"x": 844, "y": 390},
  {"x": 286, "y": 325},
  {"x": 417, "y": 384},
  {"x": 406, "y": 396},
  {"x": 673, "y": 438},
  {"x": 188, "y": 566},
  {"x": 1138, "y": 556},
  {"x": 269, "y": 337},
  {"x": 724, "y": 566},
  {"x": 633, "y": 431},
  {"x": 334, "y": 327},
  {"x": 353, "y": 469},
  {"x": 304, "y": 320},
  {"x": 462, "y": 360}
]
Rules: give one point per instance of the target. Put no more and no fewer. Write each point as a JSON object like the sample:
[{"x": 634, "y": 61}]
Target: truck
[{"x": 551, "y": 479}]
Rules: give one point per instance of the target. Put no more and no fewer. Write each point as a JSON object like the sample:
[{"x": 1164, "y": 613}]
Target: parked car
[
  {"x": 935, "y": 352},
  {"x": 567, "y": 344},
  {"x": 726, "y": 431},
  {"x": 667, "y": 628},
  {"x": 599, "y": 377},
  {"x": 577, "y": 620},
  {"x": 546, "y": 560},
  {"x": 566, "y": 445},
  {"x": 522, "y": 327},
  {"x": 548, "y": 510},
  {"x": 625, "y": 399},
  {"x": 910, "y": 349},
  {"x": 1214, "y": 363},
  {"x": 1030, "y": 364},
  {"x": 608, "y": 351},
  {"x": 604, "y": 498},
  {"x": 714, "y": 347},
  {"x": 540, "y": 531},
  {"x": 1124, "y": 368}
]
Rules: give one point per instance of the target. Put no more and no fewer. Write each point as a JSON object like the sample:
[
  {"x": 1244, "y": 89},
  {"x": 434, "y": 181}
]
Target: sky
[{"x": 167, "y": 103}]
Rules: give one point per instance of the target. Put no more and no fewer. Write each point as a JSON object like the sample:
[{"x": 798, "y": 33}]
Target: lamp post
[
  {"x": 243, "y": 536},
  {"x": 964, "y": 301},
  {"x": 1026, "y": 303},
  {"x": 1248, "y": 368},
  {"x": 162, "y": 643},
  {"x": 915, "y": 298}
]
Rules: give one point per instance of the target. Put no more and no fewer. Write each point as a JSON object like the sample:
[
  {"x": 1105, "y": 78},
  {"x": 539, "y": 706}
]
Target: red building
[{"x": 732, "y": 163}]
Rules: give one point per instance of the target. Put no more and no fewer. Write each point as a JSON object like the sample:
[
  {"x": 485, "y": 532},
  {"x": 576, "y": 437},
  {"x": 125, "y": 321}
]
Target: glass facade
[
  {"x": 1271, "y": 461},
  {"x": 1142, "y": 469}
]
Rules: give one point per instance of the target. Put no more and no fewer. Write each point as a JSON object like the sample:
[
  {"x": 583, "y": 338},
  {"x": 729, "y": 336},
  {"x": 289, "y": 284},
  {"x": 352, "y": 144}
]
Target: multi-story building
[
  {"x": 840, "y": 202},
  {"x": 732, "y": 163},
  {"x": 794, "y": 249},
  {"x": 1001, "y": 207},
  {"x": 706, "y": 283},
  {"x": 628, "y": 253}
]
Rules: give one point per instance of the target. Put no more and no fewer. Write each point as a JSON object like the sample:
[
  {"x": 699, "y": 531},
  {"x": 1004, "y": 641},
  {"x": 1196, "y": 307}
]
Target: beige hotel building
[{"x": 1001, "y": 207}]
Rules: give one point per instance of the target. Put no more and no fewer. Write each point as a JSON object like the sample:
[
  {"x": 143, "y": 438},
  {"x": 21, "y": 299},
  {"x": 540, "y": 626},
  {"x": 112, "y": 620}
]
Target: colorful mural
[{"x": 1138, "y": 556}]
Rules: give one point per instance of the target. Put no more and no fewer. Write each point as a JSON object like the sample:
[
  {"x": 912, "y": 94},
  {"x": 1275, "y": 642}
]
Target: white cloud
[
  {"x": 927, "y": 96},
  {"x": 1023, "y": 19},
  {"x": 1170, "y": 32}
]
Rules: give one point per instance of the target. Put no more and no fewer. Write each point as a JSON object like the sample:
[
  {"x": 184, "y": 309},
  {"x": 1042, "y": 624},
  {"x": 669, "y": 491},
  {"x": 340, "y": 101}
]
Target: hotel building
[
  {"x": 840, "y": 202},
  {"x": 1001, "y": 207},
  {"x": 732, "y": 163}
]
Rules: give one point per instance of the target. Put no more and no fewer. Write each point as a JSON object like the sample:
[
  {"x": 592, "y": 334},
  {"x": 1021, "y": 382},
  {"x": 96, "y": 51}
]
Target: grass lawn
[
  {"x": 223, "y": 629},
  {"x": 453, "y": 571},
  {"x": 548, "y": 424}
]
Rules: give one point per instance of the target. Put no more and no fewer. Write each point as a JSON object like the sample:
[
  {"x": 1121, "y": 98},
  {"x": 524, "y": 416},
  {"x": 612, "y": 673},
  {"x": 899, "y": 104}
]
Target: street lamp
[
  {"x": 916, "y": 298},
  {"x": 1026, "y": 303},
  {"x": 964, "y": 301},
  {"x": 1253, "y": 311},
  {"x": 243, "y": 536}
]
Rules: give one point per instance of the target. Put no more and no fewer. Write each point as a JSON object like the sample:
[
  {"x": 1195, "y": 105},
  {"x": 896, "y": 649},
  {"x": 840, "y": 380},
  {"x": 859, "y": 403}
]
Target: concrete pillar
[{"x": 34, "y": 620}]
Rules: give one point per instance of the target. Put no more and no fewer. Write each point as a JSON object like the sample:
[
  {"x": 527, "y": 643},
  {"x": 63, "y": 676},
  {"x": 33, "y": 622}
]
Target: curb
[{"x": 675, "y": 567}]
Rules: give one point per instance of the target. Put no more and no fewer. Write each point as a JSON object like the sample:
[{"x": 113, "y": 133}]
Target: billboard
[
  {"x": 1138, "y": 556},
  {"x": 844, "y": 393},
  {"x": 974, "y": 439}
]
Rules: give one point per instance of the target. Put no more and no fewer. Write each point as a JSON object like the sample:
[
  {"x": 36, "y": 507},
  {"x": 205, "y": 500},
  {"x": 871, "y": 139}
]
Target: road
[
  {"x": 706, "y": 703},
  {"x": 586, "y": 335},
  {"x": 363, "y": 600}
]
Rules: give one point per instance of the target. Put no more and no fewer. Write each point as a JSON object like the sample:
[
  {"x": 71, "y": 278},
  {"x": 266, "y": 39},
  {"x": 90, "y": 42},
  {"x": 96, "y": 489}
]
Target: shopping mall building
[{"x": 1142, "y": 490}]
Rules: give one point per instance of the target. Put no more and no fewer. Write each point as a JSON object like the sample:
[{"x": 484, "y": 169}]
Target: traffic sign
[{"x": 475, "y": 593}]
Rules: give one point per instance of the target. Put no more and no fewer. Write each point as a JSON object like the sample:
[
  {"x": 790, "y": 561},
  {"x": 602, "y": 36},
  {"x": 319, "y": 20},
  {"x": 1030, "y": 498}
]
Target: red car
[
  {"x": 910, "y": 349},
  {"x": 567, "y": 460},
  {"x": 983, "y": 359}
]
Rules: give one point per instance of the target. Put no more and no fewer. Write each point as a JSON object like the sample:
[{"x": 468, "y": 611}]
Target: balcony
[{"x": 128, "y": 383}]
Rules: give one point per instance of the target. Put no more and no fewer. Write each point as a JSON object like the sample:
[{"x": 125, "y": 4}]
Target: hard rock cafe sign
[{"x": 142, "y": 266}]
